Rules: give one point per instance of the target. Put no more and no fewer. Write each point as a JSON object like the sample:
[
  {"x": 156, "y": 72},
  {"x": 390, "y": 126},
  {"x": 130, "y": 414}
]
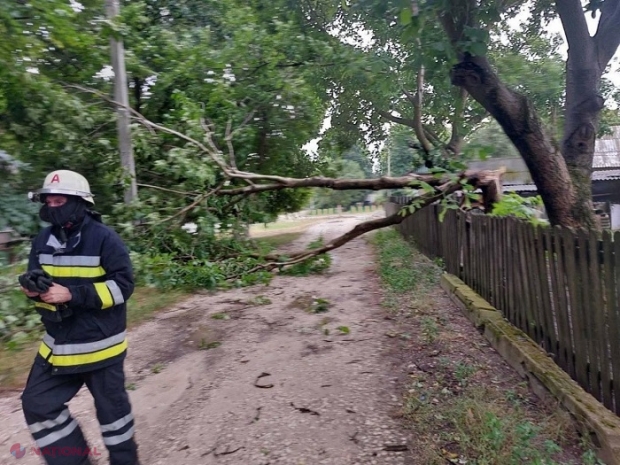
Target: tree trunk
[
  {"x": 566, "y": 204},
  {"x": 563, "y": 178},
  {"x": 583, "y": 107}
]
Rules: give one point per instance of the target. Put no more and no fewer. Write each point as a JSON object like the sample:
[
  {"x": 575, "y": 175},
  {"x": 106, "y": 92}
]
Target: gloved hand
[{"x": 36, "y": 281}]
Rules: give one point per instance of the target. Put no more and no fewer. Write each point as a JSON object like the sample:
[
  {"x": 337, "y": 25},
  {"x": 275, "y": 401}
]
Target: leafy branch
[{"x": 432, "y": 187}]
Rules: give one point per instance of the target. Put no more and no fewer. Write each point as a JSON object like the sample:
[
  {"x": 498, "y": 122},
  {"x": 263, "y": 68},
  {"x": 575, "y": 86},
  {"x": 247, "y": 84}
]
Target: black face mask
[{"x": 66, "y": 216}]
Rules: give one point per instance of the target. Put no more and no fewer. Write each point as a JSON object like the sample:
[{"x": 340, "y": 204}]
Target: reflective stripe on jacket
[{"x": 94, "y": 265}]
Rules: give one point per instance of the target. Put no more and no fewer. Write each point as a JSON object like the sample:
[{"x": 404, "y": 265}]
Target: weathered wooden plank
[
  {"x": 572, "y": 283},
  {"x": 613, "y": 298},
  {"x": 467, "y": 263},
  {"x": 535, "y": 277},
  {"x": 561, "y": 348},
  {"x": 604, "y": 315},
  {"x": 579, "y": 316},
  {"x": 507, "y": 268},
  {"x": 501, "y": 265},
  {"x": 541, "y": 254},
  {"x": 593, "y": 305},
  {"x": 511, "y": 268},
  {"x": 523, "y": 291}
]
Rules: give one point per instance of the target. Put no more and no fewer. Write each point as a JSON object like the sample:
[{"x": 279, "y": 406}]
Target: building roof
[
  {"x": 606, "y": 175},
  {"x": 606, "y": 159},
  {"x": 603, "y": 175},
  {"x": 607, "y": 150}
]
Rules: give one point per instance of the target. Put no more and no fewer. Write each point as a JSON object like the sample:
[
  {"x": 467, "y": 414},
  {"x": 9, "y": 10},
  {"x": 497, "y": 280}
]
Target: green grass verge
[
  {"x": 268, "y": 243},
  {"x": 458, "y": 409}
]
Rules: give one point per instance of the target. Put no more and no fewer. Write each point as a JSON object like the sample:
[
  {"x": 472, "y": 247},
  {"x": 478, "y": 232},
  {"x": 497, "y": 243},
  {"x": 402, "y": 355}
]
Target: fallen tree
[{"x": 429, "y": 188}]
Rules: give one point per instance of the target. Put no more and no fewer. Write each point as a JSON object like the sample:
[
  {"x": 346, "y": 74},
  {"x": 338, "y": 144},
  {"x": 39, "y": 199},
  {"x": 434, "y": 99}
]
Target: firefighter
[{"x": 79, "y": 277}]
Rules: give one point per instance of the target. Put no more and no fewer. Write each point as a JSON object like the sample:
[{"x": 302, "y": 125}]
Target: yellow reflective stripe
[
  {"x": 105, "y": 295},
  {"x": 44, "y": 350},
  {"x": 45, "y": 306},
  {"x": 74, "y": 271},
  {"x": 82, "y": 359}
]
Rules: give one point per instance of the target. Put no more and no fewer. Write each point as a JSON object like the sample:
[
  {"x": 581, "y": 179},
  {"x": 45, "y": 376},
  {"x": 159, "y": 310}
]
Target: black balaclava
[{"x": 66, "y": 216}]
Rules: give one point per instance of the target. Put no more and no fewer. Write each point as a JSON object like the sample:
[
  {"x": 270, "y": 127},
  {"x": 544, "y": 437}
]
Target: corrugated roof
[
  {"x": 604, "y": 175},
  {"x": 607, "y": 150},
  {"x": 519, "y": 188}
]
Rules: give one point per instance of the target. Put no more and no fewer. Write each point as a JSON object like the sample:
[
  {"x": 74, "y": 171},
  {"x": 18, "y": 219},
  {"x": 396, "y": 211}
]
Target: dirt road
[{"x": 266, "y": 381}]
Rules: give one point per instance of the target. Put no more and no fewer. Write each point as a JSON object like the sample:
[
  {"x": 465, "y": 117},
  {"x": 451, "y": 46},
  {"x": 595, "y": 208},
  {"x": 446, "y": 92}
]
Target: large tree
[
  {"x": 562, "y": 172},
  {"x": 427, "y": 45}
]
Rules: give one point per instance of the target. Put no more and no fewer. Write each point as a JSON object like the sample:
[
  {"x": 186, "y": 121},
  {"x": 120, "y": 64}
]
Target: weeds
[
  {"x": 430, "y": 330},
  {"x": 260, "y": 300},
  {"x": 206, "y": 345},
  {"x": 313, "y": 265},
  {"x": 407, "y": 274},
  {"x": 463, "y": 371},
  {"x": 457, "y": 417},
  {"x": 157, "y": 368},
  {"x": 220, "y": 316},
  {"x": 319, "y": 306}
]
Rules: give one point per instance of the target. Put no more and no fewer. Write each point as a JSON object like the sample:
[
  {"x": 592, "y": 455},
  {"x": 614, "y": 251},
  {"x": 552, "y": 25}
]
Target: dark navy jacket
[{"x": 94, "y": 265}]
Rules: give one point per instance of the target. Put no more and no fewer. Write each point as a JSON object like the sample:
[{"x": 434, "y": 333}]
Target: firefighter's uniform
[{"x": 85, "y": 340}]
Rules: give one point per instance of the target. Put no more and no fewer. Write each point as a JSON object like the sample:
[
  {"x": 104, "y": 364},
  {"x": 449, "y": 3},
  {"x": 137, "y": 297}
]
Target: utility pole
[{"x": 117, "y": 52}]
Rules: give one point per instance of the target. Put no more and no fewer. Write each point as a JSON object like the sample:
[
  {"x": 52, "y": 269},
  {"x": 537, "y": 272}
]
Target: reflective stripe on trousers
[
  {"x": 44, "y": 402},
  {"x": 65, "y": 355}
]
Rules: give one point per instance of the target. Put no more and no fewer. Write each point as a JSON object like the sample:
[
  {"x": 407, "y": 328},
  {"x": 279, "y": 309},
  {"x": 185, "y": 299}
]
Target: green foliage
[
  {"x": 17, "y": 314},
  {"x": 400, "y": 266},
  {"x": 316, "y": 264},
  {"x": 319, "y": 305},
  {"x": 489, "y": 141},
  {"x": 526, "y": 208},
  {"x": 16, "y": 211},
  {"x": 344, "y": 329},
  {"x": 328, "y": 198},
  {"x": 168, "y": 272}
]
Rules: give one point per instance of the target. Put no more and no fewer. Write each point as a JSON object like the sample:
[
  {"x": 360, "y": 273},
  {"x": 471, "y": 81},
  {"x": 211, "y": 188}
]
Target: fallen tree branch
[
  {"x": 487, "y": 180},
  {"x": 383, "y": 182},
  {"x": 275, "y": 182},
  {"x": 440, "y": 186},
  {"x": 164, "y": 189}
]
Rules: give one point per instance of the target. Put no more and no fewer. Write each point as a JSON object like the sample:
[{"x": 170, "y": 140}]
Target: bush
[{"x": 17, "y": 315}]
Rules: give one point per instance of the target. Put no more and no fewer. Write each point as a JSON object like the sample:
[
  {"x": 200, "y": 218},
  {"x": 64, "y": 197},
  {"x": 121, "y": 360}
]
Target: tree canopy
[{"x": 224, "y": 95}]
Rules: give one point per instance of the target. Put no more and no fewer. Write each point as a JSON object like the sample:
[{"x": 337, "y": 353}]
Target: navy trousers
[{"x": 58, "y": 436}]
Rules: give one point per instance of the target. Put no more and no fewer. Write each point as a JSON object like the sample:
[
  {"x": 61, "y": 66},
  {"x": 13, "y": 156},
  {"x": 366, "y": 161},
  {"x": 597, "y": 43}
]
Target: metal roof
[
  {"x": 519, "y": 187},
  {"x": 607, "y": 150},
  {"x": 606, "y": 175},
  {"x": 603, "y": 175}
]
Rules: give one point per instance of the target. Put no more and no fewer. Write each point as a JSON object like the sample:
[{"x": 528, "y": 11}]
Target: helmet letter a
[{"x": 56, "y": 178}]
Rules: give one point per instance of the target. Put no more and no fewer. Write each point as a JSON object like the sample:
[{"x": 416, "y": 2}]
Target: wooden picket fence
[{"x": 560, "y": 286}]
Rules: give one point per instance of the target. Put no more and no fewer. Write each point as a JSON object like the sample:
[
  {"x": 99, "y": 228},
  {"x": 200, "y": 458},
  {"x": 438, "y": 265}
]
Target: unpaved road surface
[{"x": 270, "y": 383}]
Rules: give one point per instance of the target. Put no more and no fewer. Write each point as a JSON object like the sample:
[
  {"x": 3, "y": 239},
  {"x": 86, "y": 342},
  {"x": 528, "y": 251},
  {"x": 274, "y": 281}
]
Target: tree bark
[
  {"x": 584, "y": 68},
  {"x": 563, "y": 178},
  {"x": 522, "y": 125}
]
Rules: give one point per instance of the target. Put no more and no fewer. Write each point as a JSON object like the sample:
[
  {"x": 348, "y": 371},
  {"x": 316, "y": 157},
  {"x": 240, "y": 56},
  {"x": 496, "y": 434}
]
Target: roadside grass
[
  {"x": 268, "y": 243},
  {"x": 460, "y": 410},
  {"x": 147, "y": 301},
  {"x": 295, "y": 226},
  {"x": 300, "y": 224}
]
